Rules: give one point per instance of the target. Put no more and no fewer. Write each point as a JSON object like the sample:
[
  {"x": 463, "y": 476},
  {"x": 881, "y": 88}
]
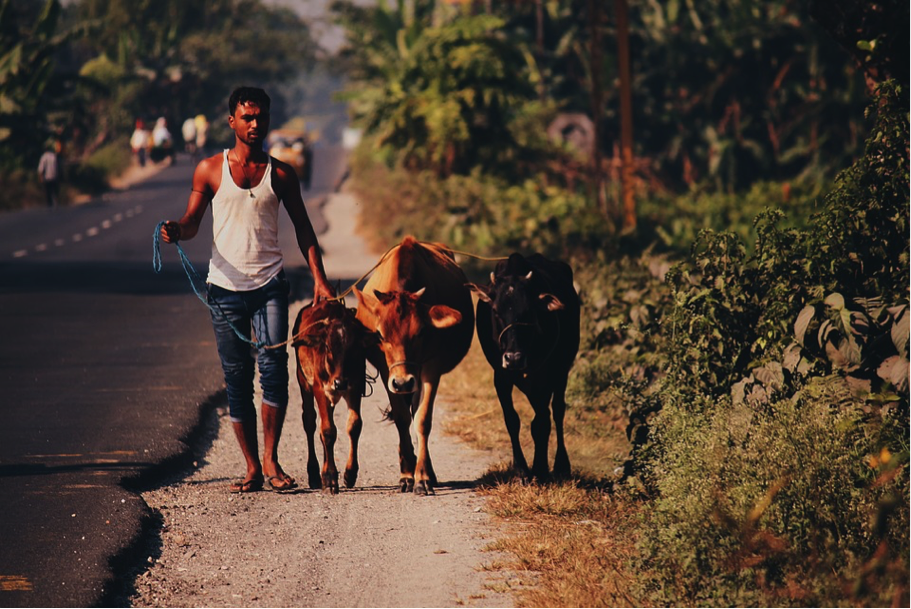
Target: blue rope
[{"x": 194, "y": 278}]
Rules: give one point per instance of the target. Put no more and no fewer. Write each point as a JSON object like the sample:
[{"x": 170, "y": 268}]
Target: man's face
[{"x": 250, "y": 123}]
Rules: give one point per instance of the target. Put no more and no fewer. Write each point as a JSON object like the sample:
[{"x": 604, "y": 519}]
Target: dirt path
[{"x": 366, "y": 547}]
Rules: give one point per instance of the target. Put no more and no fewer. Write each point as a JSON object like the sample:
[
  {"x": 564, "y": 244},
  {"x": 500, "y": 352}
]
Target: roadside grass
[
  {"x": 574, "y": 538},
  {"x": 578, "y": 541}
]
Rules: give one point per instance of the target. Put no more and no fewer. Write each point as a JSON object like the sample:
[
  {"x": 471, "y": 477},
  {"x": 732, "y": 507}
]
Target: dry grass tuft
[{"x": 578, "y": 541}]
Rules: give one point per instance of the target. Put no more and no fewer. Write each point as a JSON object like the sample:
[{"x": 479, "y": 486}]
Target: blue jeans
[{"x": 266, "y": 311}]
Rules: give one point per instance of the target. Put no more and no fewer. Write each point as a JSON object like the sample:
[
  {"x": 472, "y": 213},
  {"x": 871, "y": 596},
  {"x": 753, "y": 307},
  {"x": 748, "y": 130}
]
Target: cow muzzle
[
  {"x": 514, "y": 360},
  {"x": 403, "y": 384}
]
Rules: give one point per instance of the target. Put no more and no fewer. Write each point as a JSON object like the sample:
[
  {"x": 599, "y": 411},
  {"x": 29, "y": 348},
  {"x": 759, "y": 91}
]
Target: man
[
  {"x": 246, "y": 282},
  {"x": 49, "y": 174}
]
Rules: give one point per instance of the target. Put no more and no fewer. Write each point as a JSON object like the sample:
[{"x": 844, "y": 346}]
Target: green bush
[
  {"x": 797, "y": 504},
  {"x": 779, "y": 461},
  {"x": 477, "y": 213},
  {"x": 94, "y": 174},
  {"x": 677, "y": 221}
]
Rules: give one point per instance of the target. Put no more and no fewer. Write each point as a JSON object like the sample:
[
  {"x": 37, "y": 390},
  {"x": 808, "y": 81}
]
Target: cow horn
[
  {"x": 528, "y": 277},
  {"x": 493, "y": 278},
  {"x": 420, "y": 292}
]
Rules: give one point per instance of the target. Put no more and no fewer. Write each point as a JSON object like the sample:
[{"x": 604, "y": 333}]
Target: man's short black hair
[{"x": 243, "y": 95}]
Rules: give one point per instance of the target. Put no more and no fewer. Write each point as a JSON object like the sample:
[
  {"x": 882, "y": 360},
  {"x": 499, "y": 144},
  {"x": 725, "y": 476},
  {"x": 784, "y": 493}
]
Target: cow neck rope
[{"x": 402, "y": 363}]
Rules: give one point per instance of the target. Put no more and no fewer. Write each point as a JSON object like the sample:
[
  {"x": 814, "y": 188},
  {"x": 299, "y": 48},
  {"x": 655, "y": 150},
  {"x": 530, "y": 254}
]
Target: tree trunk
[{"x": 627, "y": 172}]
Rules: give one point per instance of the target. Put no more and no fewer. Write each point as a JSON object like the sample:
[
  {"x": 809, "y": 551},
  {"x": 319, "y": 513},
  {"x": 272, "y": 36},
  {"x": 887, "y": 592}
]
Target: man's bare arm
[
  {"x": 290, "y": 194},
  {"x": 203, "y": 190}
]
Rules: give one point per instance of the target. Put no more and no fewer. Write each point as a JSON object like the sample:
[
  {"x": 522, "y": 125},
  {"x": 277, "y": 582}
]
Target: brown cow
[
  {"x": 331, "y": 365},
  {"x": 528, "y": 327},
  {"x": 419, "y": 305}
]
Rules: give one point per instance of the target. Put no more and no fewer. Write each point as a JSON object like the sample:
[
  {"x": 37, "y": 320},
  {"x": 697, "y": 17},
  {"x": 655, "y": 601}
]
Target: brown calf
[
  {"x": 418, "y": 304},
  {"x": 331, "y": 362}
]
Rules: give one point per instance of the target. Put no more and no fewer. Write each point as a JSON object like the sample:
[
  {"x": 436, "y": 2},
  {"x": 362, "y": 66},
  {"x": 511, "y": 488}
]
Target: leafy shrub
[
  {"x": 677, "y": 221},
  {"x": 782, "y": 506},
  {"x": 92, "y": 176},
  {"x": 477, "y": 212},
  {"x": 779, "y": 461}
]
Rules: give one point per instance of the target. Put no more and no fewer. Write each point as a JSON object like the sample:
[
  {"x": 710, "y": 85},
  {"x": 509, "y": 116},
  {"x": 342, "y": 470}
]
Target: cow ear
[
  {"x": 551, "y": 302},
  {"x": 442, "y": 316},
  {"x": 365, "y": 300},
  {"x": 383, "y": 297},
  {"x": 480, "y": 291}
]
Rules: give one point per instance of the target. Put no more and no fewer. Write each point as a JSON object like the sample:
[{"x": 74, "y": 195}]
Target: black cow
[{"x": 528, "y": 326}]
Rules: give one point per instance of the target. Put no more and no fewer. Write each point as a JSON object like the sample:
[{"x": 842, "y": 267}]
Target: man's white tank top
[{"x": 245, "y": 251}]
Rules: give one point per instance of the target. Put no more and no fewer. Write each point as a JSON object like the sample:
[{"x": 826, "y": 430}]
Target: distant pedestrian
[
  {"x": 162, "y": 142},
  {"x": 202, "y": 130},
  {"x": 140, "y": 142},
  {"x": 49, "y": 173},
  {"x": 188, "y": 131}
]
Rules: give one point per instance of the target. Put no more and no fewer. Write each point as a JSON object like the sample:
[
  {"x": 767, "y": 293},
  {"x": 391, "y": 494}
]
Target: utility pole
[
  {"x": 627, "y": 175},
  {"x": 597, "y": 177}
]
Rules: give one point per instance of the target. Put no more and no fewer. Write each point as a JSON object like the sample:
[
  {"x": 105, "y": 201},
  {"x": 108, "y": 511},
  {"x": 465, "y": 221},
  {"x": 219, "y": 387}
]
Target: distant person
[
  {"x": 140, "y": 142},
  {"x": 188, "y": 131},
  {"x": 49, "y": 174},
  {"x": 247, "y": 286},
  {"x": 162, "y": 142},
  {"x": 202, "y": 131}
]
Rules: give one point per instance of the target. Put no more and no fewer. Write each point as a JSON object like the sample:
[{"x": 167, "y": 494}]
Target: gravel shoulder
[{"x": 370, "y": 546}]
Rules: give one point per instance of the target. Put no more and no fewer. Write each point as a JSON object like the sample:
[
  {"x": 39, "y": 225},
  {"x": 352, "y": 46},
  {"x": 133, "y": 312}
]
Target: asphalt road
[{"x": 107, "y": 371}]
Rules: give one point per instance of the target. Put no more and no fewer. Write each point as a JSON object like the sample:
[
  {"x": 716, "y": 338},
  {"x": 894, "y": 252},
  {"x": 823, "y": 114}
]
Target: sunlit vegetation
[
  {"x": 82, "y": 73},
  {"x": 740, "y": 401}
]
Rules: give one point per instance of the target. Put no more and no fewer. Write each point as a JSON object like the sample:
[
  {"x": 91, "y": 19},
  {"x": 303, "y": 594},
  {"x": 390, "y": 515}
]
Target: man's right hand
[{"x": 170, "y": 232}]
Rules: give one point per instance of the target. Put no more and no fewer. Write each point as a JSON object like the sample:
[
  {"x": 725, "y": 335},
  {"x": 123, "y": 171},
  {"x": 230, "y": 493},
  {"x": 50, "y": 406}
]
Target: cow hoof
[
  {"x": 406, "y": 485},
  {"x": 350, "y": 478},
  {"x": 541, "y": 477},
  {"x": 423, "y": 487},
  {"x": 314, "y": 478},
  {"x": 330, "y": 486}
]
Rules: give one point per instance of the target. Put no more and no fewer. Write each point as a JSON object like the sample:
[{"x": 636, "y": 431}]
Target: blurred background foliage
[{"x": 83, "y": 73}]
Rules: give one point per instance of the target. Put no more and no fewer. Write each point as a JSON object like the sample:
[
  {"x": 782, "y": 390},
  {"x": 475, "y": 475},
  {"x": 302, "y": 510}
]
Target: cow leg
[
  {"x": 355, "y": 424},
  {"x": 400, "y": 406},
  {"x": 540, "y": 433},
  {"x": 328, "y": 434},
  {"x": 561, "y": 458},
  {"x": 308, "y": 416},
  {"x": 513, "y": 424},
  {"x": 424, "y": 477}
]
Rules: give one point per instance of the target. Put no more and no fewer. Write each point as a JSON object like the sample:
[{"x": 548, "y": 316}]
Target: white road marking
[
  {"x": 106, "y": 224},
  {"x": 129, "y": 213},
  {"x": 20, "y": 253},
  {"x": 77, "y": 237},
  {"x": 118, "y": 217},
  {"x": 92, "y": 232},
  {"x": 41, "y": 247},
  {"x": 59, "y": 242}
]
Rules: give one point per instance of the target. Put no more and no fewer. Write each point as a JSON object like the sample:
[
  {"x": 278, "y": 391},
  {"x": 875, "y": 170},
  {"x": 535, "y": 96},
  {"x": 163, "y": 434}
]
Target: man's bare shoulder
[
  {"x": 283, "y": 170},
  {"x": 211, "y": 163}
]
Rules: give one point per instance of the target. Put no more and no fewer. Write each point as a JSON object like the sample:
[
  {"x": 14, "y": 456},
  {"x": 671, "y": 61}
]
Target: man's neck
[{"x": 245, "y": 153}]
